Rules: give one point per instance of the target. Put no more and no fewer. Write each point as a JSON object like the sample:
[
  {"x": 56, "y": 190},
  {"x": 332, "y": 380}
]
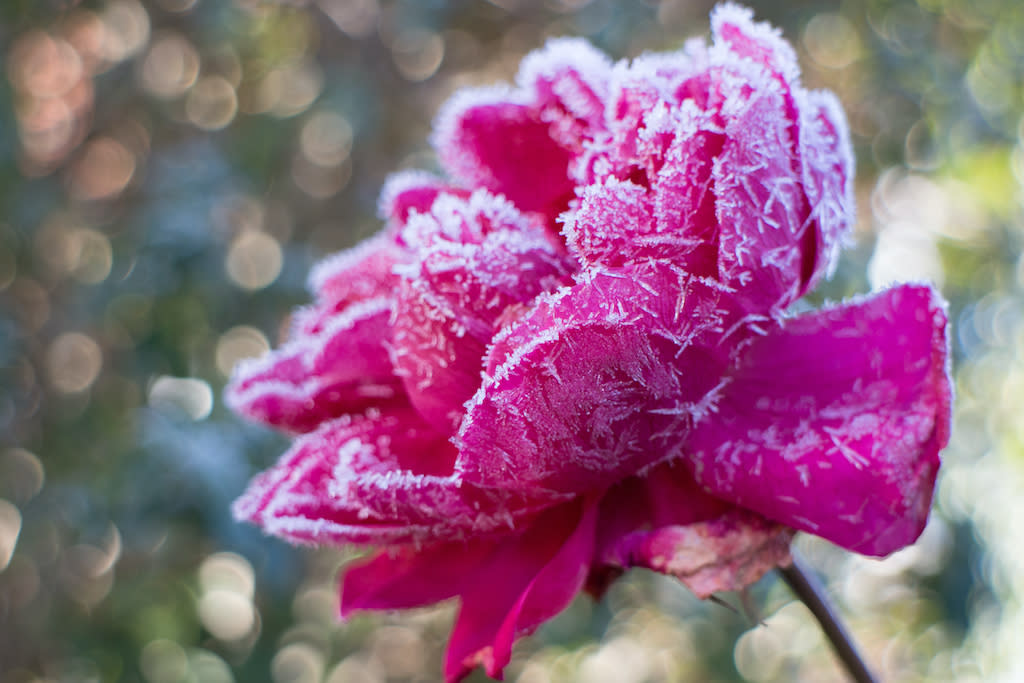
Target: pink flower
[{"x": 575, "y": 354}]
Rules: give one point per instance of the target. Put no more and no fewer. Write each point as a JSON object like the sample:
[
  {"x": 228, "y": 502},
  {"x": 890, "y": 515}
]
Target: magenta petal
[
  {"x": 585, "y": 390},
  {"x": 495, "y": 139},
  {"x": 335, "y": 360},
  {"x": 734, "y": 26},
  {"x": 833, "y": 421},
  {"x": 613, "y": 220},
  {"x": 507, "y": 586},
  {"x": 407, "y": 577},
  {"x": 343, "y": 367},
  {"x": 476, "y": 259},
  {"x": 765, "y": 235},
  {"x": 526, "y": 581},
  {"x": 825, "y": 152},
  {"x": 568, "y": 80},
  {"x": 684, "y": 195},
  {"x": 409, "y": 191},
  {"x": 727, "y": 553},
  {"x": 383, "y": 478},
  {"x": 357, "y": 274},
  {"x": 665, "y": 522}
]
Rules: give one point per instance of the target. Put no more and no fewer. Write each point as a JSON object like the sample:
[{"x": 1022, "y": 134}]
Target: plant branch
[{"x": 809, "y": 590}]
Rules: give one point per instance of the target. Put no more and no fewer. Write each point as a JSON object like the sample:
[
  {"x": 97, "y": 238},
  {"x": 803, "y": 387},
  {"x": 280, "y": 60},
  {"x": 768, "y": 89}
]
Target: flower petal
[
  {"x": 734, "y": 26},
  {"x": 495, "y": 138},
  {"x": 585, "y": 390},
  {"x": 476, "y": 259},
  {"x": 357, "y": 274},
  {"x": 526, "y": 581},
  {"x": 828, "y": 173},
  {"x": 407, "y": 577},
  {"x": 448, "y": 312},
  {"x": 665, "y": 522},
  {"x": 408, "y": 191},
  {"x": 385, "y": 477},
  {"x": 335, "y": 360},
  {"x": 833, "y": 421},
  {"x": 342, "y": 368},
  {"x": 568, "y": 81}
]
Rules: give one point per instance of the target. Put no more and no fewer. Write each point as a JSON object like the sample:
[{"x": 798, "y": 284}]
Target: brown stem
[{"x": 809, "y": 590}]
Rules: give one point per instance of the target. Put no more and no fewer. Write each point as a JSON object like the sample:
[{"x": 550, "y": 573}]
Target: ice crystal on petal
[{"x": 574, "y": 353}]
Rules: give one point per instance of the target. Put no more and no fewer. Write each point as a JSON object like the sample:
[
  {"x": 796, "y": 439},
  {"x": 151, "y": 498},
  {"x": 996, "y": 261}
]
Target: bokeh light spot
[
  {"x": 207, "y": 667},
  {"x": 226, "y": 614},
  {"x": 73, "y": 361},
  {"x": 171, "y": 66},
  {"x": 398, "y": 651},
  {"x": 326, "y": 138},
  {"x": 212, "y": 103},
  {"x": 183, "y": 395},
  {"x": 317, "y": 181},
  {"x": 127, "y": 25},
  {"x": 103, "y": 170},
  {"x": 297, "y": 663},
  {"x": 163, "y": 661},
  {"x": 237, "y": 344},
  {"x": 43, "y": 66},
  {"x": 291, "y": 89},
  {"x": 177, "y": 6},
  {"x": 417, "y": 53},
  {"x": 68, "y": 250},
  {"x": 21, "y": 475},
  {"x": 228, "y": 571},
  {"x": 10, "y": 528},
  {"x": 254, "y": 260},
  {"x": 831, "y": 40},
  {"x": 354, "y": 669},
  {"x": 357, "y": 18}
]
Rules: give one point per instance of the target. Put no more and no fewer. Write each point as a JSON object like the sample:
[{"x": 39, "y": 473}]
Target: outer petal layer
[
  {"x": 507, "y": 586},
  {"x": 833, "y": 421},
  {"x": 476, "y": 259},
  {"x": 335, "y": 361},
  {"x": 382, "y": 478},
  {"x": 665, "y": 522},
  {"x": 586, "y": 389}
]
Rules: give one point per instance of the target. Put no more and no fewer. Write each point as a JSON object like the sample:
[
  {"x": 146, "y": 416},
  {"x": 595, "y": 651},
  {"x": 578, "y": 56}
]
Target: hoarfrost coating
[{"x": 574, "y": 354}]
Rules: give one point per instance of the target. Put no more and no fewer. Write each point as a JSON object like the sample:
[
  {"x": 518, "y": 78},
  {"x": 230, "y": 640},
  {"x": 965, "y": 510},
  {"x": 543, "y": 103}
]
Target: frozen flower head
[{"x": 574, "y": 354}]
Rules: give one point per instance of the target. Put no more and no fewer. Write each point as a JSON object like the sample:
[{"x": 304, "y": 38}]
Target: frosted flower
[{"x": 573, "y": 355}]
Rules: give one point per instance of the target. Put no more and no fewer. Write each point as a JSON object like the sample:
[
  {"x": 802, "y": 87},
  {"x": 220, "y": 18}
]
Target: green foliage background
[{"x": 170, "y": 169}]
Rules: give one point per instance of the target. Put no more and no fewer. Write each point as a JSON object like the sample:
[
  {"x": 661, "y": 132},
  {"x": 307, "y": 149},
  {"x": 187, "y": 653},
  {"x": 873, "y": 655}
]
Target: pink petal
[
  {"x": 828, "y": 173},
  {"x": 568, "y": 80},
  {"x": 334, "y": 361},
  {"x": 765, "y": 236},
  {"x": 663, "y": 521},
  {"x": 814, "y": 207},
  {"x": 734, "y": 26},
  {"x": 832, "y": 422},
  {"x": 614, "y": 216},
  {"x": 407, "y": 577},
  {"x": 476, "y": 259},
  {"x": 381, "y": 478},
  {"x": 341, "y": 368},
  {"x": 507, "y": 586},
  {"x": 357, "y": 274},
  {"x": 596, "y": 382},
  {"x": 493, "y": 138},
  {"x": 409, "y": 191},
  {"x": 749, "y": 175},
  {"x": 526, "y": 581}
]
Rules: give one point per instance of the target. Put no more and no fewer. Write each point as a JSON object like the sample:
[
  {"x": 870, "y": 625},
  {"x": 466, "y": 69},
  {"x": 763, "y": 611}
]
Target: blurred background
[{"x": 170, "y": 169}]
